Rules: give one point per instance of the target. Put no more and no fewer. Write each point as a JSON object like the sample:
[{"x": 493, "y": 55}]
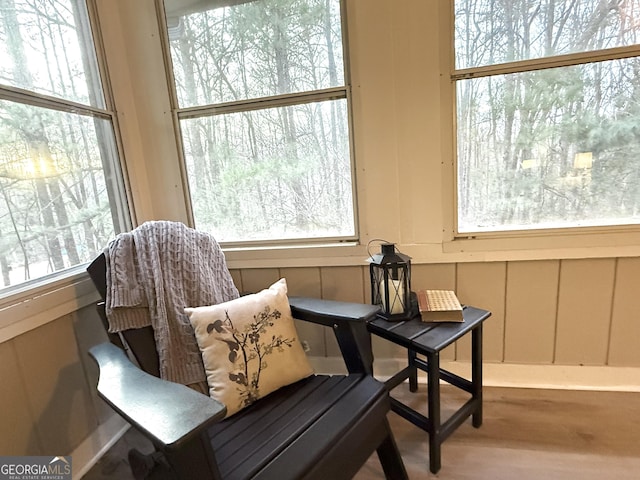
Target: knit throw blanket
[{"x": 153, "y": 272}]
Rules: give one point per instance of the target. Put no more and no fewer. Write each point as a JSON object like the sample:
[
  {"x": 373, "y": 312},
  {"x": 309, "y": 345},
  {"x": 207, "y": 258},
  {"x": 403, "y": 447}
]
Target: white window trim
[
  {"x": 560, "y": 243},
  {"x": 274, "y": 101},
  {"x": 29, "y": 305}
]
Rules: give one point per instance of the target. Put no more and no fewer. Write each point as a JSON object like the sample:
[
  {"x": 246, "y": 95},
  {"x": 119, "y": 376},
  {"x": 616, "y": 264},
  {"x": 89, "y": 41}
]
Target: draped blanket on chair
[{"x": 153, "y": 272}]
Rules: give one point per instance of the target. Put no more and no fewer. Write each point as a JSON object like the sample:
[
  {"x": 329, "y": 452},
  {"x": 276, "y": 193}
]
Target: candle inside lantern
[{"x": 396, "y": 296}]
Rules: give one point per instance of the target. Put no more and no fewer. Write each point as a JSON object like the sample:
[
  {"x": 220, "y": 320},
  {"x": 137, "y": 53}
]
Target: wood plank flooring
[{"x": 526, "y": 435}]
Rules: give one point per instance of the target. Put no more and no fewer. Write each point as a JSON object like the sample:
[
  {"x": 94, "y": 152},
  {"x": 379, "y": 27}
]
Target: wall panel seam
[{"x": 611, "y": 308}]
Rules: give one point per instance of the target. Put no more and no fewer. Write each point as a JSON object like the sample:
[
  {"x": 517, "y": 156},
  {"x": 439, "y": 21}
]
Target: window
[
  {"x": 61, "y": 194},
  {"x": 548, "y": 114},
  {"x": 264, "y": 117}
]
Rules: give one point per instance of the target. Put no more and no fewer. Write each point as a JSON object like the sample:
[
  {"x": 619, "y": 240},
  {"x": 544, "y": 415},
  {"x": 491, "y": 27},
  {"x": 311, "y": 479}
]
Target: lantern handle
[{"x": 381, "y": 240}]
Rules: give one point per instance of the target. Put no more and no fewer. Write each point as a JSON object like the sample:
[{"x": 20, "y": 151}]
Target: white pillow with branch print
[{"x": 249, "y": 346}]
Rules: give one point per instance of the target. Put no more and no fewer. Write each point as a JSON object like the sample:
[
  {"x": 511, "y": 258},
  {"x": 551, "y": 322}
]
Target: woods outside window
[
  {"x": 262, "y": 105},
  {"x": 61, "y": 191},
  {"x": 548, "y": 114}
]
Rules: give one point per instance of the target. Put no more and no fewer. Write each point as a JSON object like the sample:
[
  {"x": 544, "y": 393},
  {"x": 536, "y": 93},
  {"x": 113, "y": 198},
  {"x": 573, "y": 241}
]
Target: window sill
[
  {"x": 342, "y": 254},
  {"x": 541, "y": 246},
  {"x": 33, "y": 305},
  {"x": 538, "y": 246}
]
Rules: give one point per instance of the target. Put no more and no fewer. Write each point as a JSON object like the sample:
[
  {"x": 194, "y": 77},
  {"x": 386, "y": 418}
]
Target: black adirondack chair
[{"x": 323, "y": 427}]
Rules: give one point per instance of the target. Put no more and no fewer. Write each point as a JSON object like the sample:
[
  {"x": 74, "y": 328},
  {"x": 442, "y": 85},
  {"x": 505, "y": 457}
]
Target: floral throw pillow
[{"x": 249, "y": 346}]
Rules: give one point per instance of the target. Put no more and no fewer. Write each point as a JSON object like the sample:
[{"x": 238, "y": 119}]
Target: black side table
[{"x": 429, "y": 339}]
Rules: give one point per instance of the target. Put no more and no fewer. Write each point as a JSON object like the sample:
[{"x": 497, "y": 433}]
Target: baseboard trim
[
  {"x": 567, "y": 377},
  {"x": 87, "y": 454}
]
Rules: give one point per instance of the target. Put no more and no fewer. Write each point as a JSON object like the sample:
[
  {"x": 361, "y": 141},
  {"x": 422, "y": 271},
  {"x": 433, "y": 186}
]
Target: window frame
[
  {"x": 23, "y": 298},
  {"x": 275, "y": 101},
  {"x": 559, "y": 239}
]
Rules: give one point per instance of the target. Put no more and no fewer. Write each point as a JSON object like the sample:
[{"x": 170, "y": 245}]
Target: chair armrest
[
  {"x": 349, "y": 323},
  {"x": 169, "y": 414}
]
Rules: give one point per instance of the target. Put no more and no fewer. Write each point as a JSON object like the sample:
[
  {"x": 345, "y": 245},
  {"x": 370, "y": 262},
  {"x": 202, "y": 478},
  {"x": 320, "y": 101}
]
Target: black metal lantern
[{"x": 391, "y": 283}]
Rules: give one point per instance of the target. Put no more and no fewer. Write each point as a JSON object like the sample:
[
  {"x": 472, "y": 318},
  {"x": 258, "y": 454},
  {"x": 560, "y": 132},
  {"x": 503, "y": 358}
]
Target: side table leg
[
  {"x": 433, "y": 400},
  {"x": 476, "y": 373},
  {"x": 413, "y": 372}
]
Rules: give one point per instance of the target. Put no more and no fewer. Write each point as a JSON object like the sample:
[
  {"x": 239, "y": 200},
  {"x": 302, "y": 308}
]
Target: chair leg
[
  {"x": 413, "y": 371},
  {"x": 194, "y": 459},
  {"x": 390, "y": 458},
  {"x": 151, "y": 466}
]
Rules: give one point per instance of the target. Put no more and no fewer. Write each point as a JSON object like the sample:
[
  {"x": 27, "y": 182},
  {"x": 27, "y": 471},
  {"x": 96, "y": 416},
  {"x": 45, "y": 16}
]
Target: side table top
[{"x": 427, "y": 337}]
